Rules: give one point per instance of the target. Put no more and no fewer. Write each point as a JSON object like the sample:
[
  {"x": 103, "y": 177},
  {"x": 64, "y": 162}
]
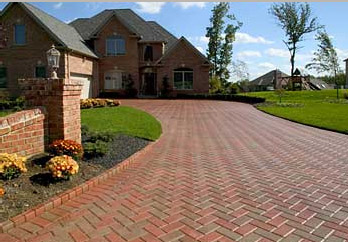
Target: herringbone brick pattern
[{"x": 222, "y": 171}]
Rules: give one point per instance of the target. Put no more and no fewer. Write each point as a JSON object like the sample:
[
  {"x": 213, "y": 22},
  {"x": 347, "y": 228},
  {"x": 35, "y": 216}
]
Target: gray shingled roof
[
  {"x": 166, "y": 35},
  {"x": 66, "y": 35},
  {"x": 87, "y": 27},
  {"x": 267, "y": 79}
]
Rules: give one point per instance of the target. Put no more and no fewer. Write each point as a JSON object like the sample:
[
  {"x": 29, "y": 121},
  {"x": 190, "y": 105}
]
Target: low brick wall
[{"x": 23, "y": 132}]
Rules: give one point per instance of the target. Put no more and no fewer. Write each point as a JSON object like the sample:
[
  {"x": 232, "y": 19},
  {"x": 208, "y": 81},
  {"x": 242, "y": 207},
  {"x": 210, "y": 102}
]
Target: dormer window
[
  {"x": 19, "y": 36},
  {"x": 148, "y": 53},
  {"x": 115, "y": 45}
]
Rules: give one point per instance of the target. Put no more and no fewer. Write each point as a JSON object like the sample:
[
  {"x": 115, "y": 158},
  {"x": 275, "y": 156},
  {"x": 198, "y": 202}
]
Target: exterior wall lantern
[{"x": 53, "y": 61}]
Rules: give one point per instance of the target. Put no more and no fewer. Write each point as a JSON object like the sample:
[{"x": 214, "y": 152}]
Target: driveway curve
[{"x": 222, "y": 171}]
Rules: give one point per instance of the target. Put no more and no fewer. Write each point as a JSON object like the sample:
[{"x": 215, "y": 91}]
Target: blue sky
[{"x": 259, "y": 41}]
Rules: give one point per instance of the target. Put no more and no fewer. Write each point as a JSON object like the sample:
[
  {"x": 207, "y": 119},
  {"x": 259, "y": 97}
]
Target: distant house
[
  {"x": 268, "y": 82},
  {"x": 105, "y": 52},
  {"x": 276, "y": 79}
]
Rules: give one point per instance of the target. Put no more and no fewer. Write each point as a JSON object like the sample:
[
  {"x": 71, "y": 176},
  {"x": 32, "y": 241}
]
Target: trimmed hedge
[{"x": 225, "y": 97}]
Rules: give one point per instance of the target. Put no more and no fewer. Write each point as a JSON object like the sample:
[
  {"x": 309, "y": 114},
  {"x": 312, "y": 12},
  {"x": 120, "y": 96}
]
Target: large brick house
[{"x": 105, "y": 52}]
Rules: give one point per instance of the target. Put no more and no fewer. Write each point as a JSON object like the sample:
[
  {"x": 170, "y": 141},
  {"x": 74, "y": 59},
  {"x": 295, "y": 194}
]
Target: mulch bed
[{"x": 36, "y": 186}]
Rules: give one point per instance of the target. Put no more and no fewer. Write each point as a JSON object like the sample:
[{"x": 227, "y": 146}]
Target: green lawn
[
  {"x": 4, "y": 113},
  {"x": 126, "y": 120},
  {"x": 316, "y": 108}
]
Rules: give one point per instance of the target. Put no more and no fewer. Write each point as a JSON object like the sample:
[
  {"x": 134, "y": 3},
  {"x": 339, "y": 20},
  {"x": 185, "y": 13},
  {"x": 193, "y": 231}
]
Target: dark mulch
[{"x": 36, "y": 186}]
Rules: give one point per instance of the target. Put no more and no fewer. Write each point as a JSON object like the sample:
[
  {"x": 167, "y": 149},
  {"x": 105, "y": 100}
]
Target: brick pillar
[{"x": 61, "y": 97}]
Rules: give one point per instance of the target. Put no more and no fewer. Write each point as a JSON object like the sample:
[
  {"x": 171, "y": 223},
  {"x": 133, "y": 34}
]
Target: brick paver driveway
[{"x": 222, "y": 171}]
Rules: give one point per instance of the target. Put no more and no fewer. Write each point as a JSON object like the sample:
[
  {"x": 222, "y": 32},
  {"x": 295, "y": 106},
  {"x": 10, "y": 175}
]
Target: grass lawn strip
[
  {"x": 318, "y": 108},
  {"x": 124, "y": 120}
]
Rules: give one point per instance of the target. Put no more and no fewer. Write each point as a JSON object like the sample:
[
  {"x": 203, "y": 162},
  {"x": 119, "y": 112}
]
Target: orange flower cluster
[
  {"x": 98, "y": 102},
  {"x": 2, "y": 191},
  {"x": 66, "y": 147},
  {"x": 62, "y": 166},
  {"x": 8, "y": 161}
]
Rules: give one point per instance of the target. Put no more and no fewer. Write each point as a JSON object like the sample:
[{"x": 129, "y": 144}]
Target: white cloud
[
  {"x": 150, "y": 7},
  {"x": 186, "y": 5},
  {"x": 267, "y": 65},
  {"x": 199, "y": 39},
  {"x": 249, "y": 53},
  {"x": 342, "y": 54},
  {"x": 278, "y": 52},
  {"x": 244, "y": 38},
  {"x": 70, "y": 20},
  {"x": 200, "y": 49},
  {"x": 58, "y": 5},
  {"x": 93, "y": 5}
]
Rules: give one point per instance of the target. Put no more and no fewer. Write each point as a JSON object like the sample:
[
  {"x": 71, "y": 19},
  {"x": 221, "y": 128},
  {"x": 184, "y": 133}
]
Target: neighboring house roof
[
  {"x": 268, "y": 78},
  {"x": 320, "y": 83},
  {"x": 89, "y": 27},
  {"x": 176, "y": 43},
  {"x": 64, "y": 34}
]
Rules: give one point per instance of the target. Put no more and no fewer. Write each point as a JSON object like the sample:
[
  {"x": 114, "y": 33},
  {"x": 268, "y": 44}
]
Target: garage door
[{"x": 87, "y": 87}]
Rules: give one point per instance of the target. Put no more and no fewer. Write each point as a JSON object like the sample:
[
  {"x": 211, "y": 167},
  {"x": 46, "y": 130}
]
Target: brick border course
[{"x": 62, "y": 198}]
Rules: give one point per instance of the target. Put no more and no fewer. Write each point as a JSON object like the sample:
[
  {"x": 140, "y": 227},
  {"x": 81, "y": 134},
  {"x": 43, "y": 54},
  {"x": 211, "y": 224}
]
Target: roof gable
[
  {"x": 89, "y": 27},
  {"x": 64, "y": 34},
  {"x": 177, "y": 44}
]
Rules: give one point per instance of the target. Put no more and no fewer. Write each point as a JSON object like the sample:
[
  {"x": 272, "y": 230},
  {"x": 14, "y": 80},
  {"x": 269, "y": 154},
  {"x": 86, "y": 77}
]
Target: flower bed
[
  {"x": 98, "y": 102},
  {"x": 38, "y": 184}
]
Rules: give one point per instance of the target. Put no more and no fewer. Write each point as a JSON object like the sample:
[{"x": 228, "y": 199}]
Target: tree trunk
[{"x": 292, "y": 60}]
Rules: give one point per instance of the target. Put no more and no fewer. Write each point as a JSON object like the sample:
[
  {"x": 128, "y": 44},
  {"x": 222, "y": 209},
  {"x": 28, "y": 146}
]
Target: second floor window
[
  {"x": 115, "y": 45},
  {"x": 148, "y": 53},
  {"x": 19, "y": 35}
]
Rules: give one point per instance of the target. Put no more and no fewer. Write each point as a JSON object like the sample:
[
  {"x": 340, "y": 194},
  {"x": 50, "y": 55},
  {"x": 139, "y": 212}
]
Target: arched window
[
  {"x": 115, "y": 45},
  {"x": 183, "y": 79}
]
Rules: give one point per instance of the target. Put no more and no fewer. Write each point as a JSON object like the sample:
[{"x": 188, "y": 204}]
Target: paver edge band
[{"x": 62, "y": 198}]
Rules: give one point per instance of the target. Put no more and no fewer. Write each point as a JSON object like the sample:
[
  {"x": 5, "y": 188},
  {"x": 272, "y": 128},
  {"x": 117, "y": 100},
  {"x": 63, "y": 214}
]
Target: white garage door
[{"x": 87, "y": 87}]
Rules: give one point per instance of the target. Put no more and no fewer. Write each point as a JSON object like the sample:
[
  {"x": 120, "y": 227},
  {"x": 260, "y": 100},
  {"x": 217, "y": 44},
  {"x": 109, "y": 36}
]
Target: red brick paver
[{"x": 221, "y": 171}]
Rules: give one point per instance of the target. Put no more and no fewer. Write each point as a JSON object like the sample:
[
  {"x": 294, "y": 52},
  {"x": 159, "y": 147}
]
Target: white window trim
[
  {"x": 113, "y": 72},
  {"x": 106, "y": 48},
  {"x": 183, "y": 80}
]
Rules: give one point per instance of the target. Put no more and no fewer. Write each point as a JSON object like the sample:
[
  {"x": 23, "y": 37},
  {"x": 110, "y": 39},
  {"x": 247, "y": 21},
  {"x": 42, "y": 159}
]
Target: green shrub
[
  {"x": 97, "y": 149},
  {"x": 12, "y": 103},
  {"x": 102, "y": 136}
]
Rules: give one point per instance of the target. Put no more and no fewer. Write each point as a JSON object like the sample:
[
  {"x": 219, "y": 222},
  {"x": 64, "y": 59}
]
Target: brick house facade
[{"x": 106, "y": 52}]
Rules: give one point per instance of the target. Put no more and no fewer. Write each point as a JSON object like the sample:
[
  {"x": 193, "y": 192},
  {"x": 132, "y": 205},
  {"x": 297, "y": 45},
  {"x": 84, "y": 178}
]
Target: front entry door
[{"x": 150, "y": 85}]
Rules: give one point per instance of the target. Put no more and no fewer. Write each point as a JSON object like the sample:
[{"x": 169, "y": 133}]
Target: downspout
[{"x": 68, "y": 65}]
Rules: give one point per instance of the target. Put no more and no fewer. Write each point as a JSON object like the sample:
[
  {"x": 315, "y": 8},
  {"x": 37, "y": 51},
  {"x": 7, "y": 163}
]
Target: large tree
[
  {"x": 325, "y": 57},
  {"x": 221, "y": 34},
  {"x": 296, "y": 20}
]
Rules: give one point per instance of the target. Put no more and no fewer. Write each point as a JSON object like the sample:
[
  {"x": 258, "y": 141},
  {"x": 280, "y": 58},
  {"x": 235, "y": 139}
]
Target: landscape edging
[{"x": 62, "y": 198}]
